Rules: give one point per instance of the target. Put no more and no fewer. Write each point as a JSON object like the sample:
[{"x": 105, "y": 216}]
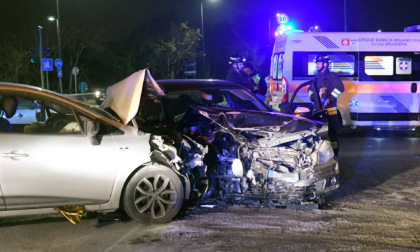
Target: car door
[
  {"x": 311, "y": 110},
  {"x": 60, "y": 167}
]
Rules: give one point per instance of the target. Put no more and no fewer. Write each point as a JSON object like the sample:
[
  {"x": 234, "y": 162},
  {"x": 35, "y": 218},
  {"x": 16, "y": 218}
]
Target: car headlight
[
  {"x": 237, "y": 168},
  {"x": 325, "y": 152}
]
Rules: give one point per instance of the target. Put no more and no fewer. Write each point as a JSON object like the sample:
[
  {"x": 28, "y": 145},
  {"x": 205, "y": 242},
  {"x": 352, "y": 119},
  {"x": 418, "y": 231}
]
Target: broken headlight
[
  {"x": 237, "y": 168},
  {"x": 325, "y": 152}
]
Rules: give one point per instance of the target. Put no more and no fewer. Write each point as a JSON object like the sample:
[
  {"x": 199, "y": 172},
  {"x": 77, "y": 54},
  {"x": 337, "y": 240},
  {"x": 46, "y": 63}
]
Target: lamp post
[
  {"x": 345, "y": 16},
  {"x": 202, "y": 34},
  {"x": 202, "y": 40},
  {"x": 40, "y": 55},
  {"x": 57, "y": 19}
]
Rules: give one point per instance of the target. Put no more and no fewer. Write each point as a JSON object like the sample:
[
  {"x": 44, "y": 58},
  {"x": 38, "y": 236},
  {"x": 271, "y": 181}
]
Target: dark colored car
[{"x": 250, "y": 152}]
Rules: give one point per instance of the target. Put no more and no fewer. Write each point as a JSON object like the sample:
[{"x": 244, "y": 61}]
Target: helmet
[
  {"x": 236, "y": 58},
  {"x": 321, "y": 58}
]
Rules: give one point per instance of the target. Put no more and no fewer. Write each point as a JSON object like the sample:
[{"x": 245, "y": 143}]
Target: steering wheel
[{"x": 56, "y": 122}]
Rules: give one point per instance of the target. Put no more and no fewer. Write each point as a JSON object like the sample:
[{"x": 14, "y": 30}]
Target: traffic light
[{"x": 35, "y": 54}]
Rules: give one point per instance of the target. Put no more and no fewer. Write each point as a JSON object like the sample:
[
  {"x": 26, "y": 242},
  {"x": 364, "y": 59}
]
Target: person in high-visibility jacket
[
  {"x": 261, "y": 89},
  {"x": 237, "y": 75},
  {"x": 330, "y": 87}
]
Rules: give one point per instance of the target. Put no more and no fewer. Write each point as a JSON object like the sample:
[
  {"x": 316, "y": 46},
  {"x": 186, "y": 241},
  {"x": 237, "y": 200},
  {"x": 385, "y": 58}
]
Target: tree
[
  {"x": 179, "y": 44},
  {"x": 15, "y": 65},
  {"x": 75, "y": 46}
]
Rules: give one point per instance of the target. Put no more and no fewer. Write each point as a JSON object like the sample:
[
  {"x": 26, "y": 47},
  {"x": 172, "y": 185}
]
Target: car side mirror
[
  {"x": 301, "y": 110},
  {"x": 90, "y": 128}
]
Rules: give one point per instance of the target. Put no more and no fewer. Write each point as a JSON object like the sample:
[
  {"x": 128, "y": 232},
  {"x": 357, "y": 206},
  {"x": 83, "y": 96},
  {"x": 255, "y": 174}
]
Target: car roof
[
  {"x": 187, "y": 84},
  {"x": 8, "y": 87}
]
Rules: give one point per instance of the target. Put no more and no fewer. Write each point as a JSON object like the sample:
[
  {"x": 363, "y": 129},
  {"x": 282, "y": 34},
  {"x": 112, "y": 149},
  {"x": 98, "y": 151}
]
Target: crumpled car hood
[
  {"x": 268, "y": 127},
  {"x": 124, "y": 97}
]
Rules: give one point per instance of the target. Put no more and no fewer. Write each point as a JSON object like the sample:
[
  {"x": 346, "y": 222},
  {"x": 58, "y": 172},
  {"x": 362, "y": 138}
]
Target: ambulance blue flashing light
[
  {"x": 280, "y": 33},
  {"x": 283, "y": 28}
]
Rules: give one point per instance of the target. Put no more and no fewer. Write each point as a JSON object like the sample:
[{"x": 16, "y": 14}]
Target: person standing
[
  {"x": 330, "y": 87},
  {"x": 237, "y": 75},
  {"x": 256, "y": 78}
]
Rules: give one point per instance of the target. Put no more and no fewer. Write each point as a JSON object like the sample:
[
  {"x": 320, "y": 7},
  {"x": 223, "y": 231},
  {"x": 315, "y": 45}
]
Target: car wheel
[
  {"x": 321, "y": 202},
  {"x": 153, "y": 195}
]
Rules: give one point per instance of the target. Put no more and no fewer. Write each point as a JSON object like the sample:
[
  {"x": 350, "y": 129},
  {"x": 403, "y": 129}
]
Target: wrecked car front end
[{"x": 263, "y": 157}]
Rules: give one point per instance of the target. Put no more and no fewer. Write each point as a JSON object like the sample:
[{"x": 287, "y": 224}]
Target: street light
[
  {"x": 202, "y": 39},
  {"x": 202, "y": 35},
  {"x": 345, "y": 16},
  {"x": 57, "y": 19},
  {"x": 40, "y": 55}
]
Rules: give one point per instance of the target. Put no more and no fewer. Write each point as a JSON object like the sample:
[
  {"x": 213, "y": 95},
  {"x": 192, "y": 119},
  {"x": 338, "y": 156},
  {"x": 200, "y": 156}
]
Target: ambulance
[{"x": 380, "y": 72}]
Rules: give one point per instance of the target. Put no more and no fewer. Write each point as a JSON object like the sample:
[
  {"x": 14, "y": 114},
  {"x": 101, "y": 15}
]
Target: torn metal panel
[{"x": 124, "y": 97}]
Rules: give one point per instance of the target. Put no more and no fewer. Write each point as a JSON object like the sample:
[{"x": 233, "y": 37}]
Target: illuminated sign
[{"x": 282, "y": 18}]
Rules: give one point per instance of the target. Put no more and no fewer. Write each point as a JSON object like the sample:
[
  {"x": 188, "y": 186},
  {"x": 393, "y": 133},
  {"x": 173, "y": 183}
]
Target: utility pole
[
  {"x": 40, "y": 55},
  {"x": 59, "y": 45},
  {"x": 202, "y": 40},
  {"x": 345, "y": 16}
]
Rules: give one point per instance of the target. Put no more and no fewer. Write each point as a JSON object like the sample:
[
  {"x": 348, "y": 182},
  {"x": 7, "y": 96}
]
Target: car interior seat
[
  {"x": 8, "y": 107},
  {"x": 185, "y": 101}
]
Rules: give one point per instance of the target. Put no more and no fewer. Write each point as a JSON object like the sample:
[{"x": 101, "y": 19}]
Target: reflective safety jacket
[
  {"x": 241, "y": 78},
  {"x": 262, "y": 85},
  {"x": 330, "y": 87}
]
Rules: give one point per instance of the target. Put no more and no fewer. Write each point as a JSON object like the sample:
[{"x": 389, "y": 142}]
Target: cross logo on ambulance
[
  {"x": 403, "y": 65},
  {"x": 345, "y": 41}
]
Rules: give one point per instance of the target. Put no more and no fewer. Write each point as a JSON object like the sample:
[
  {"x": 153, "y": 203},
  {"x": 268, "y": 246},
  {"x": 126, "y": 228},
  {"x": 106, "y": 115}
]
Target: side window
[
  {"x": 34, "y": 116},
  {"x": 274, "y": 66},
  {"x": 176, "y": 104},
  {"x": 342, "y": 63},
  {"x": 280, "y": 67},
  {"x": 379, "y": 65},
  {"x": 390, "y": 66},
  {"x": 403, "y": 65}
]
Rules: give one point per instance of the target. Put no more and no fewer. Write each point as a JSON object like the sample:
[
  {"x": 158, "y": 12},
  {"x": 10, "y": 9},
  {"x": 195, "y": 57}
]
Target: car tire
[{"x": 154, "y": 195}]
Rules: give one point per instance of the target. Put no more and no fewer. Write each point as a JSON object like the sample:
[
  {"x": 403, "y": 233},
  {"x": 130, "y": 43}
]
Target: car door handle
[{"x": 14, "y": 155}]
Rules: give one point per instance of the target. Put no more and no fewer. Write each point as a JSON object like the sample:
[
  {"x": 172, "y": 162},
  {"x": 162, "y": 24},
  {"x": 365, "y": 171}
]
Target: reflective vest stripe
[
  {"x": 336, "y": 93},
  {"x": 331, "y": 111}
]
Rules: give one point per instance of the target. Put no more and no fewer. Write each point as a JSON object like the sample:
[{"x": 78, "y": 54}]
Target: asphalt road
[{"x": 376, "y": 208}]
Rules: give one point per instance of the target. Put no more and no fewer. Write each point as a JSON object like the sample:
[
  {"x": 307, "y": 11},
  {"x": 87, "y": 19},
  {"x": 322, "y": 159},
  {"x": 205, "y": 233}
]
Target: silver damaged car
[{"x": 62, "y": 155}]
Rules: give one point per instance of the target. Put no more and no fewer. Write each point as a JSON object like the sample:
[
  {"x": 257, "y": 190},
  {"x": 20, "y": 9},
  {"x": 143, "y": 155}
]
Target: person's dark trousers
[{"x": 333, "y": 131}]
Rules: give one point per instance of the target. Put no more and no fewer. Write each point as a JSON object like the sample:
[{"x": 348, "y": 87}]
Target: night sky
[
  {"x": 116, "y": 18},
  {"x": 362, "y": 15}
]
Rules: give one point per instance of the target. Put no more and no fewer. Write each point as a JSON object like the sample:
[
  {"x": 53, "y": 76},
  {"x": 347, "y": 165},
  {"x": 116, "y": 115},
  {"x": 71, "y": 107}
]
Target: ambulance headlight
[
  {"x": 237, "y": 168},
  {"x": 325, "y": 152}
]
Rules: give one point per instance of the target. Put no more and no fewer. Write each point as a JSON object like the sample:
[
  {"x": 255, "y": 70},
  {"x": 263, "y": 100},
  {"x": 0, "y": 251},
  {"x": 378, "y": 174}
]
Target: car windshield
[
  {"x": 219, "y": 98},
  {"x": 178, "y": 102},
  {"x": 98, "y": 110}
]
